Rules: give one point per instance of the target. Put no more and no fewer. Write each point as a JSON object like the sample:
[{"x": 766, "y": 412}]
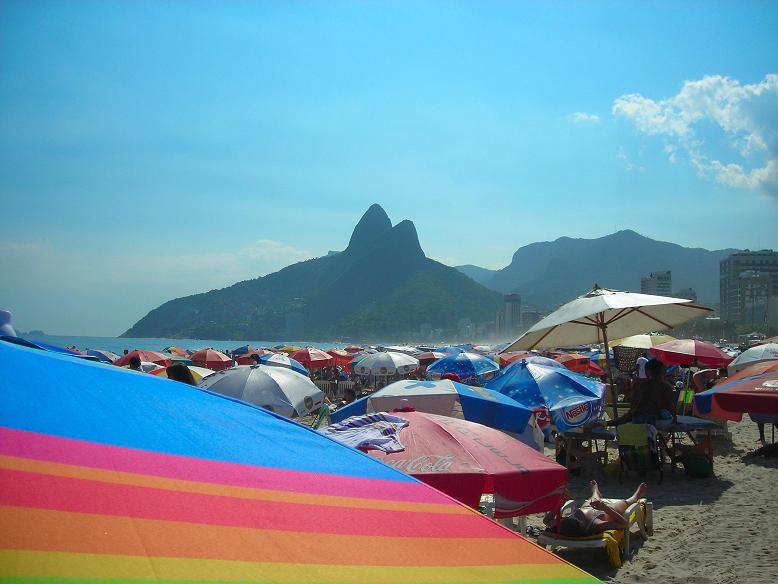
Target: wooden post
[{"x": 604, "y": 329}]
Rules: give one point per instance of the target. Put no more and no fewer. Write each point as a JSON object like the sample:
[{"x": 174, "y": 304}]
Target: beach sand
[{"x": 722, "y": 529}]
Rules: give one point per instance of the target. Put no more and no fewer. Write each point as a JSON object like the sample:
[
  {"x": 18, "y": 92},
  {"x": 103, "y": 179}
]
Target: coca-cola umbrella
[
  {"x": 690, "y": 352},
  {"x": 465, "y": 460},
  {"x": 313, "y": 358},
  {"x": 143, "y": 355},
  {"x": 755, "y": 394},
  {"x": 211, "y": 359}
]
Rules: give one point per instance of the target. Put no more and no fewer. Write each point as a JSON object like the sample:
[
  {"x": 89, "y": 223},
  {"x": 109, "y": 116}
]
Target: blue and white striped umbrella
[
  {"x": 572, "y": 399},
  {"x": 281, "y": 360},
  {"x": 471, "y": 368},
  {"x": 477, "y": 404}
]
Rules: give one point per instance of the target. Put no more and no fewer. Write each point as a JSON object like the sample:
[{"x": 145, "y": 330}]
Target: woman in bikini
[{"x": 596, "y": 515}]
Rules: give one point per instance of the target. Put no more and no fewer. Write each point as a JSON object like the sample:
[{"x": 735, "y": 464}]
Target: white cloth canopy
[{"x": 589, "y": 318}]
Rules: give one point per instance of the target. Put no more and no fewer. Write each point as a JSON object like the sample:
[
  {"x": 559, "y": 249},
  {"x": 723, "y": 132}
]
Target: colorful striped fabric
[{"x": 108, "y": 474}]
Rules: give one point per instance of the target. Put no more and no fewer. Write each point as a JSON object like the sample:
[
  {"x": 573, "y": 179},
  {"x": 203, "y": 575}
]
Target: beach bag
[{"x": 696, "y": 465}]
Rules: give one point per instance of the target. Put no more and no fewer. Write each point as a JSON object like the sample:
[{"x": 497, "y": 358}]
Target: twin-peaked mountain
[{"x": 381, "y": 286}]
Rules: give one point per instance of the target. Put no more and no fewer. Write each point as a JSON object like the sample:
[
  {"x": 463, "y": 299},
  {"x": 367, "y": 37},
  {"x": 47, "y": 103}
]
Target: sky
[{"x": 151, "y": 150}]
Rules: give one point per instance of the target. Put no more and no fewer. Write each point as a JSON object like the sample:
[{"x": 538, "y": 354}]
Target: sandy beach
[{"x": 719, "y": 530}]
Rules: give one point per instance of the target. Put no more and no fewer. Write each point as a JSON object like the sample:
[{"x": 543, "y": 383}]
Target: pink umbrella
[
  {"x": 690, "y": 352},
  {"x": 464, "y": 460},
  {"x": 313, "y": 358},
  {"x": 143, "y": 355},
  {"x": 211, "y": 359}
]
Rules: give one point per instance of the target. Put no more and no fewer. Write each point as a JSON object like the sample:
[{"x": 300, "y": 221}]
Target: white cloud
[
  {"x": 583, "y": 118},
  {"x": 745, "y": 114}
]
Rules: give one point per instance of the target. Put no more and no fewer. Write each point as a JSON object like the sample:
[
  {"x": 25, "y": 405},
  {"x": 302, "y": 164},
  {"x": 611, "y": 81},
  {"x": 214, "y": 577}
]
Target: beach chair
[
  {"x": 639, "y": 450},
  {"x": 615, "y": 542}
]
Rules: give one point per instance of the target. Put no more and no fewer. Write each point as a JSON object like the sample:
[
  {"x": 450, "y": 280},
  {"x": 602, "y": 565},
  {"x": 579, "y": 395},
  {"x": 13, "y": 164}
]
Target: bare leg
[{"x": 638, "y": 494}]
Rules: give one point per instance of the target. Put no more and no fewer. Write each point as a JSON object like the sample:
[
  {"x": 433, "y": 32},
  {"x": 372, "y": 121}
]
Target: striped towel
[{"x": 379, "y": 431}]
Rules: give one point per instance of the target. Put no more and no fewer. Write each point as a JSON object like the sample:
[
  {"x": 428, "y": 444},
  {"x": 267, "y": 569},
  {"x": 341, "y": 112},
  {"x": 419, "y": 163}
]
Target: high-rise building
[
  {"x": 687, "y": 293},
  {"x": 747, "y": 281},
  {"x": 657, "y": 283},
  {"x": 512, "y": 313}
]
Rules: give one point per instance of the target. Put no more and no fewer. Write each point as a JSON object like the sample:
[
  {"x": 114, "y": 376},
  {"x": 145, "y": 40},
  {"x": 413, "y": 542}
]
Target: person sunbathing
[{"x": 596, "y": 515}]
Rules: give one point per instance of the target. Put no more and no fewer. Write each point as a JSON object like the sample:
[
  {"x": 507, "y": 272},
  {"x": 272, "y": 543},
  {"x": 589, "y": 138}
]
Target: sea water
[{"x": 118, "y": 345}]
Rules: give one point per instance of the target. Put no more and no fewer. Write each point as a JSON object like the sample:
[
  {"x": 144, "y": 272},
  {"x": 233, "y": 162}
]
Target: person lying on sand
[{"x": 596, "y": 515}]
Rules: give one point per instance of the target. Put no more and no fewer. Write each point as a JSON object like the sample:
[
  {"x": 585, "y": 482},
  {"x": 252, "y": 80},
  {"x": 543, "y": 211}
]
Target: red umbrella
[
  {"x": 143, "y": 355},
  {"x": 341, "y": 358},
  {"x": 508, "y": 358},
  {"x": 246, "y": 359},
  {"x": 313, "y": 358},
  {"x": 757, "y": 394},
  {"x": 430, "y": 356},
  {"x": 690, "y": 352},
  {"x": 464, "y": 459},
  {"x": 574, "y": 362},
  {"x": 211, "y": 359}
]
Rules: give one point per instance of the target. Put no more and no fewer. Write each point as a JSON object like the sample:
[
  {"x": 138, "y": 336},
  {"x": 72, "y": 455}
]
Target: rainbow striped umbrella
[{"x": 110, "y": 475}]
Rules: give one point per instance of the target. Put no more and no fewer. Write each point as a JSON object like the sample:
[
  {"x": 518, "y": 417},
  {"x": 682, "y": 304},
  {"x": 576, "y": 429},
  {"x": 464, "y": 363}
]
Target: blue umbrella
[
  {"x": 484, "y": 406},
  {"x": 281, "y": 360},
  {"x": 242, "y": 350},
  {"x": 572, "y": 399},
  {"x": 536, "y": 360},
  {"x": 46, "y": 347},
  {"x": 471, "y": 368}
]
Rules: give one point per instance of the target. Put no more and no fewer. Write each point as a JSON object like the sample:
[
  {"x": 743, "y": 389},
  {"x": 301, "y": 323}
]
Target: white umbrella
[
  {"x": 412, "y": 351},
  {"x": 642, "y": 341},
  {"x": 278, "y": 389},
  {"x": 387, "y": 363},
  {"x": 768, "y": 352},
  {"x": 600, "y": 313}
]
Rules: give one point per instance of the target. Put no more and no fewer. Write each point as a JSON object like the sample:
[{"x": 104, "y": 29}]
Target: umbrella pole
[{"x": 610, "y": 371}]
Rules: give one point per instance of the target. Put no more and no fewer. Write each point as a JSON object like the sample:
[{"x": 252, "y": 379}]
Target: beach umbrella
[
  {"x": 144, "y": 355},
  {"x": 572, "y": 400},
  {"x": 446, "y": 398},
  {"x": 288, "y": 349},
  {"x": 277, "y": 389},
  {"x": 730, "y": 399},
  {"x": 353, "y": 349},
  {"x": 641, "y": 341},
  {"x": 179, "y": 359},
  {"x": 313, "y": 358},
  {"x": 211, "y": 359},
  {"x": 386, "y": 363},
  {"x": 471, "y": 368},
  {"x": 535, "y": 359},
  {"x": 282, "y": 360},
  {"x": 198, "y": 373},
  {"x": 102, "y": 355},
  {"x": 108, "y": 476},
  {"x": 574, "y": 361},
  {"x": 465, "y": 460},
  {"x": 757, "y": 354},
  {"x": 450, "y": 349},
  {"x": 340, "y": 357},
  {"x": 428, "y": 357},
  {"x": 245, "y": 359},
  {"x": 173, "y": 350},
  {"x": 690, "y": 352},
  {"x": 505, "y": 359},
  {"x": 412, "y": 351},
  {"x": 245, "y": 349},
  {"x": 603, "y": 313}
]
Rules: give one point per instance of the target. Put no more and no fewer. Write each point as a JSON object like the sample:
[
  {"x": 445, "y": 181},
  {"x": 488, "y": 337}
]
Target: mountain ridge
[
  {"x": 549, "y": 273},
  {"x": 381, "y": 285}
]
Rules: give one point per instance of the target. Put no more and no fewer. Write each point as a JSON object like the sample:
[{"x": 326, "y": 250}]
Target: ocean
[{"x": 117, "y": 345}]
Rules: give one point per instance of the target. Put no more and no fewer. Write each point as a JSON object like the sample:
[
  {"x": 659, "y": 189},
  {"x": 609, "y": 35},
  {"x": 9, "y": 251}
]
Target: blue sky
[{"x": 152, "y": 150}]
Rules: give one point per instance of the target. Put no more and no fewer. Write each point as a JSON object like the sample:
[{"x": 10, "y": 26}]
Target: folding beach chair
[
  {"x": 615, "y": 542},
  {"x": 639, "y": 450}
]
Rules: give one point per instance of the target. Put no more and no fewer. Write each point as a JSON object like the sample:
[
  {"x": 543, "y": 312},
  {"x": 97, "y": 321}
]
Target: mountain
[
  {"x": 477, "y": 273},
  {"x": 381, "y": 286},
  {"x": 549, "y": 273}
]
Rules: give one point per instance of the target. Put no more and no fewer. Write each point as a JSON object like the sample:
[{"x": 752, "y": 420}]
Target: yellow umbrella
[{"x": 642, "y": 341}]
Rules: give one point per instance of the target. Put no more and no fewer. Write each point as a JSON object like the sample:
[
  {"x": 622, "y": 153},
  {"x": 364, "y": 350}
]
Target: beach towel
[{"x": 378, "y": 431}]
